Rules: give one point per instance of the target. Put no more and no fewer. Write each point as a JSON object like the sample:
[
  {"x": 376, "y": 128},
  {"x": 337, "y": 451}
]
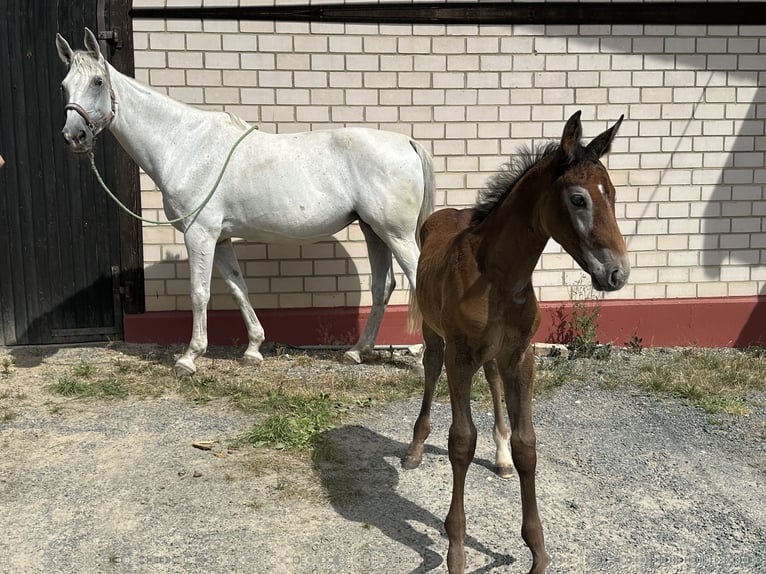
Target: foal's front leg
[
  {"x": 461, "y": 446},
  {"x": 200, "y": 246},
  {"x": 518, "y": 377}
]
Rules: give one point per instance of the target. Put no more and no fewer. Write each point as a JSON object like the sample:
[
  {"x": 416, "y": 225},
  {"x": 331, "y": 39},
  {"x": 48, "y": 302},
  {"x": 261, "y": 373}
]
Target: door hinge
[{"x": 112, "y": 36}]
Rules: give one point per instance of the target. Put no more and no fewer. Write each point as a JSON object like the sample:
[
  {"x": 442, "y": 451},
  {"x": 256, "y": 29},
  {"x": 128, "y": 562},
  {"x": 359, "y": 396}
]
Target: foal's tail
[
  {"x": 427, "y": 205},
  {"x": 426, "y": 209},
  {"x": 414, "y": 317}
]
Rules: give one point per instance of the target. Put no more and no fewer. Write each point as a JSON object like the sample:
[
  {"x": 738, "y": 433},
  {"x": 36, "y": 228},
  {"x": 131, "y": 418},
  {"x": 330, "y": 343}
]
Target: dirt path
[{"x": 627, "y": 483}]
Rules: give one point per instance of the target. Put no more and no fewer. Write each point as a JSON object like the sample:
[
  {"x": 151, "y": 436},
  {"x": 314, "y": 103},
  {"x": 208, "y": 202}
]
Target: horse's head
[
  {"x": 88, "y": 90},
  {"x": 579, "y": 213}
]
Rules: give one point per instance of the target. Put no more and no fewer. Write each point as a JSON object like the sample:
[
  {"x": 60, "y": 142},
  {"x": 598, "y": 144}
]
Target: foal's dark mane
[{"x": 504, "y": 181}]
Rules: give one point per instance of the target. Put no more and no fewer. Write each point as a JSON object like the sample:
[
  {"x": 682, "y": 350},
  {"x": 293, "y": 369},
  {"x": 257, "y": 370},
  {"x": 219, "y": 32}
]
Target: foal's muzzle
[{"x": 611, "y": 277}]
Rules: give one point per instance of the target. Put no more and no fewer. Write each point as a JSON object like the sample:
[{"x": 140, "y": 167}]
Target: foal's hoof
[
  {"x": 504, "y": 471},
  {"x": 183, "y": 370},
  {"x": 352, "y": 357},
  {"x": 411, "y": 462},
  {"x": 252, "y": 359}
]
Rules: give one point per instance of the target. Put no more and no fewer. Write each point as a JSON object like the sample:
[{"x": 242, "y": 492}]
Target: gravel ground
[{"x": 627, "y": 482}]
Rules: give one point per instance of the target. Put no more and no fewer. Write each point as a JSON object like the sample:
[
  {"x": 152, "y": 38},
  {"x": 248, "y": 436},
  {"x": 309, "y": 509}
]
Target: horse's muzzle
[
  {"x": 78, "y": 137},
  {"x": 79, "y": 130}
]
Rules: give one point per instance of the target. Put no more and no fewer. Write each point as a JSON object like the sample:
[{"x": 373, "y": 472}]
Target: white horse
[{"x": 291, "y": 188}]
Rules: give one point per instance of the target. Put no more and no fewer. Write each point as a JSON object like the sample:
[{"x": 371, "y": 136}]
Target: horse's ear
[
  {"x": 64, "y": 50},
  {"x": 600, "y": 145},
  {"x": 570, "y": 139},
  {"x": 91, "y": 43}
]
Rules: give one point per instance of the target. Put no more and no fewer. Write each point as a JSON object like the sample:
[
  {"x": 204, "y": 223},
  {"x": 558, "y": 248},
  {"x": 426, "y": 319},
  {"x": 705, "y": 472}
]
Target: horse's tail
[{"x": 429, "y": 186}]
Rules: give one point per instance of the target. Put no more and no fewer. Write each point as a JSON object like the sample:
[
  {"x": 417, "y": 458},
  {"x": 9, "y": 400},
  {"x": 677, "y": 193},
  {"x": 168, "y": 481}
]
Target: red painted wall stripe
[{"x": 705, "y": 322}]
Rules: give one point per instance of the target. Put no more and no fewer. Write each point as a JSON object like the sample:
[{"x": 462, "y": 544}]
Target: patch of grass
[
  {"x": 70, "y": 387},
  {"x": 296, "y": 423},
  {"x": 708, "y": 379}
]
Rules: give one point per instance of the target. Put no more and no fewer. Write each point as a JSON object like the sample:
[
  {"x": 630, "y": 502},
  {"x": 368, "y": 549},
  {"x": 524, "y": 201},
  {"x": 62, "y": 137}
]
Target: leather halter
[{"x": 94, "y": 126}]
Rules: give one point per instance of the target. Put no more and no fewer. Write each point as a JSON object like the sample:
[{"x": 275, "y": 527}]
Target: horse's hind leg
[
  {"x": 433, "y": 360},
  {"x": 228, "y": 266},
  {"x": 500, "y": 433},
  {"x": 382, "y": 285},
  {"x": 518, "y": 377}
]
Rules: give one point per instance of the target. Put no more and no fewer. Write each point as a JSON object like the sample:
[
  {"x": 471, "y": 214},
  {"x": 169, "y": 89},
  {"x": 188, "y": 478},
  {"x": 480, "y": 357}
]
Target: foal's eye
[
  {"x": 577, "y": 200},
  {"x": 98, "y": 81}
]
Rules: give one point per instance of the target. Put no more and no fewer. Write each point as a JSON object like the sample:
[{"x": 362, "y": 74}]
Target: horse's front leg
[
  {"x": 500, "y": 433},
  {"x": 228, "y": 266},
  {"x": 200, "y": 246},
  {"x": 461, "y": 446},
  {"x": 518, "y": 377}
]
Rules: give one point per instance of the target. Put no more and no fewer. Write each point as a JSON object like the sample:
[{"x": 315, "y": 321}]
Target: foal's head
[
  {"x": 578, "y": 209},
  {"x": 87, "y": 87}
]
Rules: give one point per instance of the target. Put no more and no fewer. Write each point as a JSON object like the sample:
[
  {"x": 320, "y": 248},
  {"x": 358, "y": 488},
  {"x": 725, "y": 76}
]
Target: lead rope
[{"x": 194, "y": 211}]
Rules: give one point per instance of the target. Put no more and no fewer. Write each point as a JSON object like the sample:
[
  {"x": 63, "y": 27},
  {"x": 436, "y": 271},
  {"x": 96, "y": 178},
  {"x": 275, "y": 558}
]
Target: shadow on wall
[
  {"x": 733, "y": 225},
  {"x": 285, "y": 291}
]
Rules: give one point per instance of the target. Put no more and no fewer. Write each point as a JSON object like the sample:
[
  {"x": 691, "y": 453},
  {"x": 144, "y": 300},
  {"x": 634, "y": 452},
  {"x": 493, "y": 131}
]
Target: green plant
[
  {"x": 6, "y": 365},
  {"x": 296, "y": 424},
  {"x": 635, "y": 344},
  {"x": 583, "y": 324}
]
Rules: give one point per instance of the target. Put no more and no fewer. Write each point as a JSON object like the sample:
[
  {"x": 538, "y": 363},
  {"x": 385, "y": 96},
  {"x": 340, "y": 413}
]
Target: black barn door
[{"x": 60, "y": 237}]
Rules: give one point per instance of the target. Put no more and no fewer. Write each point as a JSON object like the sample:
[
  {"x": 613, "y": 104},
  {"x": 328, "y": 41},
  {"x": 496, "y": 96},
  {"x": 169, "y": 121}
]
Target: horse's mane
[{"x": 504, "y": 181}]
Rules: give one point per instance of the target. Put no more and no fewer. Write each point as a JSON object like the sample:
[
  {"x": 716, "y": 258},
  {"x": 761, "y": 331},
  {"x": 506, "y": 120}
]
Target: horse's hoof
[
  {"x": 504, "y": 471},
  {"x": 352, "y": 357},
  {"x": 252, "y": 359},
  {"x": 183, "y": 370}
]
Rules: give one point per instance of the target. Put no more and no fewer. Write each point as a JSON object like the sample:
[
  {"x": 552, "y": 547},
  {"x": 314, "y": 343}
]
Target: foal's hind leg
[
  {"x": 500, "y": 433},
  {"x": 433, "y": 360},
  {"x": 382, "y": 285},
  {"x": 518, "y": 377},
  {"x": 228, "y": 266}
]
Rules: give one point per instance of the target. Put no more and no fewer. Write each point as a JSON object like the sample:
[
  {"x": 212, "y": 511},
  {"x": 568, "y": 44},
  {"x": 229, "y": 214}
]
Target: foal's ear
[
  {"x": 64, "y": 50},
  {"x": 600, "y": 145},
  {"x": 91, "y": 43},
  {"x": 570, "y": 139}
]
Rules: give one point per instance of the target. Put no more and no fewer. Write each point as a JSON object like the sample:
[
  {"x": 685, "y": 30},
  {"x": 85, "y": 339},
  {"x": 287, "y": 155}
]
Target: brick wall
[{"x": 688, "y": 162}]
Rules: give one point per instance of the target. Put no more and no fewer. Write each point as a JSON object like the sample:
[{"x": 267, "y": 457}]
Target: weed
[
  {"x": 70, "y": 387},
  {"x": 84, "y": 369},
  {"x": 635, "y": 344},
  {"x": 583, "y": 325},
  {"x": 297, "y": 422},
  {"x": 7, "y": 365},
  {"x": 7, "y": 415}
]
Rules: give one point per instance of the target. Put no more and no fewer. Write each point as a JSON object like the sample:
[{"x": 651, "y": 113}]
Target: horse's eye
[
  {"x": 577, "y": 200},
  {"x": 98, "y": 81}
]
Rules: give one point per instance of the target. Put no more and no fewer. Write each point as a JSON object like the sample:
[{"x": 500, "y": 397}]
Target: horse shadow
[{"x": 360, "y": 479}]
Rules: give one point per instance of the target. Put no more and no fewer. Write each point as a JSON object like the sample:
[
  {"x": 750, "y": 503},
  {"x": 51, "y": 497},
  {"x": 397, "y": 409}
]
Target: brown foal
[{"x": 478, "y": 306}]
